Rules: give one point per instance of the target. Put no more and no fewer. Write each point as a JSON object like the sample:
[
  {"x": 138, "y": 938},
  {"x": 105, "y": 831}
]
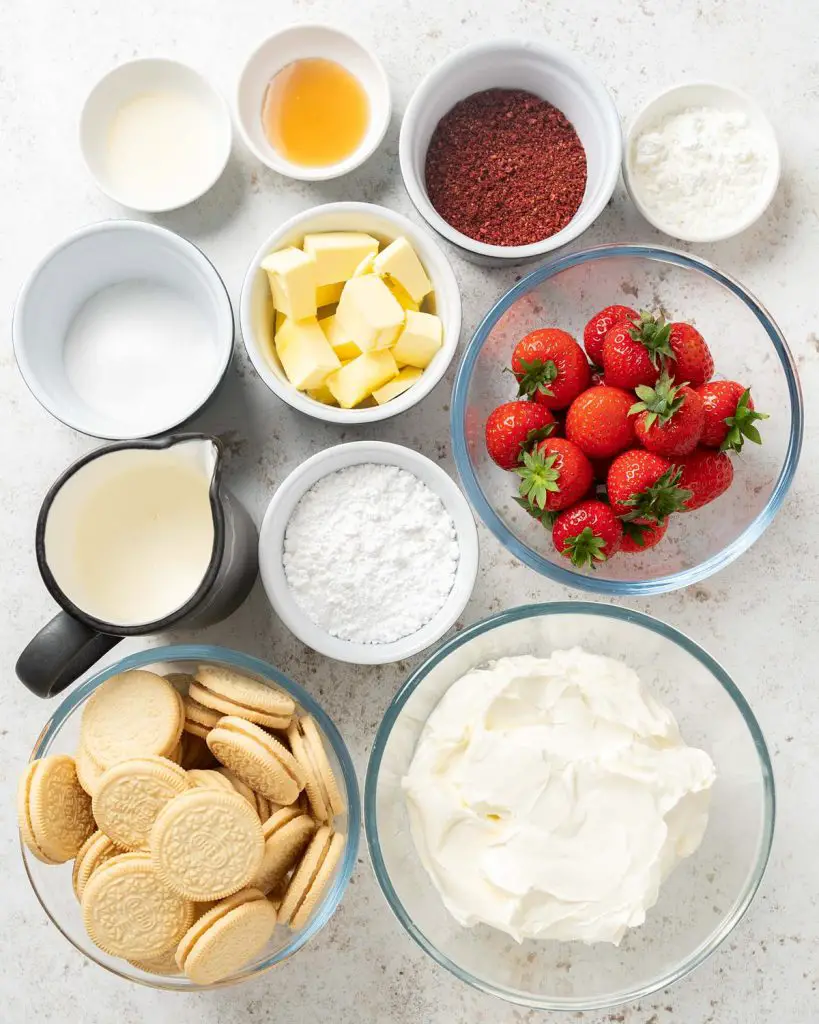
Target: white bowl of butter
[{"x": 395, "y": 361}]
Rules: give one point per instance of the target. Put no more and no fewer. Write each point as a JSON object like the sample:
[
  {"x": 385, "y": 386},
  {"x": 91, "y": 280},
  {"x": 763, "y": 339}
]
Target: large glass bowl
[
  {"x": 60, "y": 735},
  {"x": 747, "y": 346},
  {"x": 700, "y": 902}
]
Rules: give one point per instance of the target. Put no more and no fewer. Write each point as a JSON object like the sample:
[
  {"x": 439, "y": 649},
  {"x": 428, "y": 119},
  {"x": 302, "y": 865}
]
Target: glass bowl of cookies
[{"x": 189, "y": 817}]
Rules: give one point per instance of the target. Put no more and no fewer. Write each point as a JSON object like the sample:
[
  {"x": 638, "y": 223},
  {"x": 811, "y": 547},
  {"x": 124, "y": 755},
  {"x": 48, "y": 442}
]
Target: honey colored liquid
[{"x": 315, "y": 112}]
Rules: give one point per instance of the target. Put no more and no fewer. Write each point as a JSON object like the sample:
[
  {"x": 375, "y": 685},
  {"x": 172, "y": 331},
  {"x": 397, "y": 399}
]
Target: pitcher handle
[{"x": 60, "y": 653}]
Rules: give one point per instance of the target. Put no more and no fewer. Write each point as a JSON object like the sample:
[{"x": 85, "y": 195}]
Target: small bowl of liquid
[{"x": 313, "y": 103}]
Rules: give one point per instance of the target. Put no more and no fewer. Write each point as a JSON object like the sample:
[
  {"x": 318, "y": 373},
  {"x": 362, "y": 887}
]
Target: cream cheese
[{"x": 550, "y": 798}]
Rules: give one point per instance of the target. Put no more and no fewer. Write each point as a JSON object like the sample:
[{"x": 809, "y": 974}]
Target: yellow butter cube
[
  {"x": 400, "y": 262},
  {"x": 328, "y": 294},
  {"x": 292, "y": 277},
  {"x": 368, "y": 313},
  {"x": 398, "y": 385},
  {"x": 322, "y": 394},
  {"x": 339, "y": 342},
  {"x": 338, "y": 253},
  {"x": 278, "y": 320},
  {"x": 405, "y": 300},
  {"x": 365, "y": 266},
  {"x": 421, "y": 338},
  {"x": 359, "y": 378},
  {"x": 305, "y": 353}
]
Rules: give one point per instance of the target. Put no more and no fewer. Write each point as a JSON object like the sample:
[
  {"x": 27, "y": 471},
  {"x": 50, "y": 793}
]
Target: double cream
[{"x": 550, "y": 798}]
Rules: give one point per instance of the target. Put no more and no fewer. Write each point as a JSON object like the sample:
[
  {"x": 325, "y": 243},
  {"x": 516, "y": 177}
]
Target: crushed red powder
[{"x": 505, "y": 168}]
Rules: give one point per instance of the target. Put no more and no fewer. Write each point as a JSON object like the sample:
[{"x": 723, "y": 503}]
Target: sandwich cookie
[
  {"x": 129, "y": 797},
  {"x": 128, "y": 911},
  {"x": 94, "y": 852},
  {"x": 88, "y": 771},
  {"x": 53, "y": 810},
  {"x": 311, "y": 877},
  {"x": 227, "y": 937},
  {"x": 164, "y": 964},
  {"x": 286, "y": 835},
  {"x": 131, "y": 715},
  {"x": 266, "y": 765},
  {"x": 199, "y": 720},
  {"x": 210, "y": 778},
  {"x": 231, "y": 693},
  {"x": 322, "y": 790},
  {"x": 260, "y": 804},
  {"x": 206, "y": 844}
]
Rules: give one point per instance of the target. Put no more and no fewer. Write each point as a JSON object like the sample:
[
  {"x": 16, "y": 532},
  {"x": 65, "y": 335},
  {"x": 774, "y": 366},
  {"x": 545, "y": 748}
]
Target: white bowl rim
[
  {"x": 579, "y": 223},
  {"x": 271, "y": 570},
  {"x": 361, "y": 154},
  {"x": 189, "y": 252},
  {"x": 446, "y": 282},
  {"x": 206, "y": 87},
  {"x": 765, "y": 198}
]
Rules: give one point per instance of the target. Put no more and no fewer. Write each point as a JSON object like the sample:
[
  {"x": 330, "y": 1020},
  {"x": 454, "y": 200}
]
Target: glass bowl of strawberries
[{"x": 627, "y": 419}]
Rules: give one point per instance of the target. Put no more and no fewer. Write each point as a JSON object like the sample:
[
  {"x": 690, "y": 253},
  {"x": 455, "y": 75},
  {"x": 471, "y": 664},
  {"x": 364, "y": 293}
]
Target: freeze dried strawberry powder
[{"x": 506, "y": 168}]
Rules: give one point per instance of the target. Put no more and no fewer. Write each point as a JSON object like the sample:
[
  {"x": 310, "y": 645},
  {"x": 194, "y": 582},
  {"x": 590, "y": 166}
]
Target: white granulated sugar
[
  {"x": 701, "y": 170},
  {"x": 370, "y": 553}
]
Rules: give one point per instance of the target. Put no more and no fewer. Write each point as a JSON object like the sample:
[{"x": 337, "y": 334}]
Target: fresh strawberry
[
  {"x": 694, "y": 362},
  {"x": 599, "y": 423},
  {"x": 586, "y": 533},
  {"x": 633, "y": 352},
  {"x": 554, "y": 475},
  {"x": 706, "y": 475},
  {"x": 644, "y": 487},
  {"x": 729, "y": 415},
  {"x": 669, "y": 418},
  {"x": 513, "y": 427},
  {"x": 550, "y": 367},
  {"x": 642, "y": 536},
  {"x": 600, "y": 324}
]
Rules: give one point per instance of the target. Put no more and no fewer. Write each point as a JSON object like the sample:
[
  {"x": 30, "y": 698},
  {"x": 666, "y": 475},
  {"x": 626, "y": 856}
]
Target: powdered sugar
[
  {"x": 370, "y": 553},
  {"x": 700, "y": 171}
]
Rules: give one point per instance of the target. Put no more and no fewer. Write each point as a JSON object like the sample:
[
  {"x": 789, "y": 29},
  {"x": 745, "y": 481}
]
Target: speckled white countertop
[{"x": 758, "y": 617}]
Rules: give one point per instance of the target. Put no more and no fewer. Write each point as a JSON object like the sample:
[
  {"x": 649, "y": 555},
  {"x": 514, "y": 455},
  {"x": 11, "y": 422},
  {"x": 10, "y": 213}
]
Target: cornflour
[{"x": 370, "y": 553}]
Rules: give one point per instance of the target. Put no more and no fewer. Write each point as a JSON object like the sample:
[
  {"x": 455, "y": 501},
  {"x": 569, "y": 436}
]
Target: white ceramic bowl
[
  {"x": 93, "y": 258},
  {"x": 297, "y": 43},
  {"x": 138, "y": 78},
  {"x": 548, "y": 71},
  {"x": 256, "y": 308},
  {"x": 703, "y": 94},
  {"x": 271, "y": 546}
]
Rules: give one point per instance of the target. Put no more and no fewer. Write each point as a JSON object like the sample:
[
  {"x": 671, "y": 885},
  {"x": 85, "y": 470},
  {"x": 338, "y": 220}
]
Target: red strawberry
[
  {"x": 644, "y": 487},
  {"x": 695, "y": 364},
  {"x": 633, "y": 352},
  {"x": 642, "y": 536},
  {"x": 600, "y": 324},
  {"x": 669, "y": 418},
  {"x": 706, "y": 474},
  {"x": 729, "y": 415},
  {"x": 550, "y": 367},
  {"x": 586, "y": 533},
  {"x": 513, "y": 426},
  {"x": 554, "y": 475},
  {"x": 599, "y": 423}
]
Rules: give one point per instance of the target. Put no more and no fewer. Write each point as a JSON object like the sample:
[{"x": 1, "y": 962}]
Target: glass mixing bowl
[
  {"x": 700, "y": 902},
  {"x": 60, "y": 735},
  {"x": 747, "y": 346}
]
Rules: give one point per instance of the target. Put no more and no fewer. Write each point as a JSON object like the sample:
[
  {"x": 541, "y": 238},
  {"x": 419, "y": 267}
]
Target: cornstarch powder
[{"x": 370, "y": 553}]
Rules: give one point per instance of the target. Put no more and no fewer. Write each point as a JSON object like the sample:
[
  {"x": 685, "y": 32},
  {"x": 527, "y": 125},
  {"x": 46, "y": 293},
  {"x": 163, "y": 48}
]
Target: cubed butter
[
  {"x": 421, "y": 338},
  {"x": 339, "y": 342},
  {"x": 322, "y": 394},
  {"x": 405, "y": 300},
  {"x": 368, "y": 314},
  {"x": 398, "y": 385},
  {"x": 305, "y": 353},
  {"x": 358, "y": 379},
  {"x": 338, "y": 253},
  {"x": 400, "y": 262},
  {"x": 292, "y": 277},
  {"x": 365, "y": 266},
  {"x": 328, "y": 294}
]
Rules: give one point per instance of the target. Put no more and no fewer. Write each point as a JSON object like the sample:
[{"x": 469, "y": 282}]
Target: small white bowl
[
  {"x": 143, "y": 77},
  {"x": 256, "y": 307},
  {"x": 94, "y": 258},
  {"x": 548, "y": 71},
  {"x": 297, "y": 43},
  {"x": 703, "y": 94},
  {"x": 271, "y": 546}
]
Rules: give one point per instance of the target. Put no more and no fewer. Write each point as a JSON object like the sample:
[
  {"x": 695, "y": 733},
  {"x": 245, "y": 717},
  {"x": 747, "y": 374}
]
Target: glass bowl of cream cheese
[{"x": 569, "y": 805}]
